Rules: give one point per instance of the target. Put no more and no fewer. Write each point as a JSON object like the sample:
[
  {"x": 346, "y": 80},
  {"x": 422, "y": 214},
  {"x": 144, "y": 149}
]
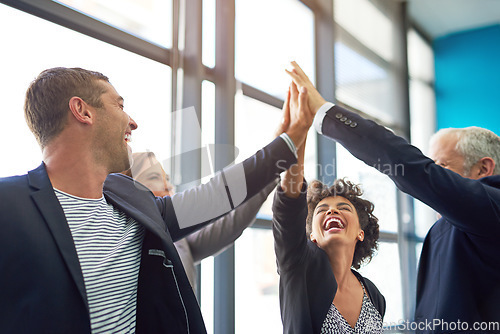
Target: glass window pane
[
  {"x": 145, "y": 85},
  {"x": 251, "y": 134},
  {"x": 208, "y": 41},
  {"x": 365, "y": 85},
  {"x": 207, "y": 293},
  {"x": 148, "y": 19},
  {"x": 256, "y": 284},
  {"x": 207, "y": 264},
  {"x": 422, "y": 114},
  {"x": 377, "y": 187},
  {"x": 207, "y": 122},
  {"x": 367, "y": 59},
  {"x": 367, "y": 24},
  {"x": 425, "y": 217},
  {"x": 311, "y": 156},
  {"x": 423, "y": 125},
  {"x": 384, "y": 271},
  {"x": 267, "y": 38},
  {"x": 420, "y": 58}
]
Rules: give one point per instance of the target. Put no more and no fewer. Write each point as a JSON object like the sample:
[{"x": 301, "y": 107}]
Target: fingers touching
[
  {"x": 285, "y": 120},
  {"x": 315, "y": 100},
  {"x": 298, "y": 75},
  {"x": 303, "y": 99}
]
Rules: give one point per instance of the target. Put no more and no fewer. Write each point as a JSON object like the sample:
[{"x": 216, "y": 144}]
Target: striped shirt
[{"x": 108, "y": 244}]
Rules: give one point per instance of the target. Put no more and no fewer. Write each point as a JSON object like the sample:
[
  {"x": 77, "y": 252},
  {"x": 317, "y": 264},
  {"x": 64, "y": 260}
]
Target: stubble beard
[
  {"x": 122, "y": 160},
  {"x": 116, "y": 158}
]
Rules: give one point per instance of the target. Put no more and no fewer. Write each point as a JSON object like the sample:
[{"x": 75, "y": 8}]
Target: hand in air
[
  {"x": 301, "y": 117},
  {"x": 285, "y": 120},
  {"x": 315, "y": 100}
]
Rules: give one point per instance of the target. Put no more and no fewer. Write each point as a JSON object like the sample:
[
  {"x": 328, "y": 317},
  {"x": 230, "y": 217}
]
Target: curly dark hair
[{"x": 317, "y": 191}]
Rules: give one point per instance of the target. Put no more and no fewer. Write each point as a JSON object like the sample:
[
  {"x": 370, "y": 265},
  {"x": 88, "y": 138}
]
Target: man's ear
[
  {"x": 81, "y": 111},
  {"x": 486, "y": 167},
  {"x": 313, "y": 239}
]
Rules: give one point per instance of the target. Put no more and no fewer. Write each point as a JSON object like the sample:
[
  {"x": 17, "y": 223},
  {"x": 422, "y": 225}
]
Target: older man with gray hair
[{"x": 470, "y": 152}]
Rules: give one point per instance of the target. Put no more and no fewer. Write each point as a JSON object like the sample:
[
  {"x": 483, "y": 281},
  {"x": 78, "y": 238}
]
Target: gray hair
[{"x": 474, "y": 143}]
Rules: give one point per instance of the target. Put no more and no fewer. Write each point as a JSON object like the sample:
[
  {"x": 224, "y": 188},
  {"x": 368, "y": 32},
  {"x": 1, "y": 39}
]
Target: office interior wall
[{"x": 467, "y": 70}]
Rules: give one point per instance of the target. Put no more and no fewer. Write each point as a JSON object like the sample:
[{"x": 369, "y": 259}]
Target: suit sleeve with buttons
[{"x": 453, "y": 196}]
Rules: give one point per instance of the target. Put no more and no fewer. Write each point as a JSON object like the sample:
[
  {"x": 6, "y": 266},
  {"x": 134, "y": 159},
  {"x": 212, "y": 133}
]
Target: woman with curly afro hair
[
  {"x": 367, "y": 240},
  {"x": 322, "y": 233}
]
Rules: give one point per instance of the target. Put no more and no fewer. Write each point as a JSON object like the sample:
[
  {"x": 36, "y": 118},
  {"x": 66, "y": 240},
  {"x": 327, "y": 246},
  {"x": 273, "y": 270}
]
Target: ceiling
[{"x": 438, "y": 18}]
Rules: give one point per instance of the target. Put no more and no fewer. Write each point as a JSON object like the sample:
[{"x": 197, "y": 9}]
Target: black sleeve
[
  {"x": 471, "y": 205},
  {"x": 289, "y": 228}
]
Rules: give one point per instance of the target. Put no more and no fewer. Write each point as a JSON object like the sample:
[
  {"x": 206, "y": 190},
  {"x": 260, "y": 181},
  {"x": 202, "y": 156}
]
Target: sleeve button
[
  {"x": 354, "y": 124},
  {"x": 339, "y": 115},
  {"x": 348, "y": 122},
  {"x": 343, "y": 119}
]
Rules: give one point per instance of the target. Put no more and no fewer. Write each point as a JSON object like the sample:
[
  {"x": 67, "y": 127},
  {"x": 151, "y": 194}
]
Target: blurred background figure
[{"x": 213, "y": 238}]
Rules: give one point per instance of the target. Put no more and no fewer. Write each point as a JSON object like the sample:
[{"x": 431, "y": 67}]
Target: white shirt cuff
[
  {"x": 289, "y": 143},
  {"x": 320, "y": 116}
]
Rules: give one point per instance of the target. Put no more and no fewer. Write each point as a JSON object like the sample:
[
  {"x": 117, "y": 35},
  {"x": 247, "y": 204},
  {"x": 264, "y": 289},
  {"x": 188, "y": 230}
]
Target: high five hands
[
  {"x": 302, "y": 102},
  {"x": 315, "y": 100},
  {"x": 297, "y": 117}
]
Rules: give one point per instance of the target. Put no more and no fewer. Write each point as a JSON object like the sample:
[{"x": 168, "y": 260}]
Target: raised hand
[
  {"x": 302, "y": 80},
  {"x": 285, "y": 121},
  {"x": 301, "y": 117},
  {"x": 292, "y": 180}
]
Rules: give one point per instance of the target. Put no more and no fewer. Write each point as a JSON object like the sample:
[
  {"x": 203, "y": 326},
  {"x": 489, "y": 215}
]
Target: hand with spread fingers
[{"x": 302, "y": 80}]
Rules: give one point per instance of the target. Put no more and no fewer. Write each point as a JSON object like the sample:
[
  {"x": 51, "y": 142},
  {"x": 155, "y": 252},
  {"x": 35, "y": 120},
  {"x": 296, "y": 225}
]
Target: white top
[
  {"x": 108, "y": 244},
  {"x": 369, "y": 320}
]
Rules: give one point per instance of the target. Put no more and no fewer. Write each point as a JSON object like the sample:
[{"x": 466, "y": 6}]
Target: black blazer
[
  {"x": 307, "y": 284},
  {"x": 459, "y": 269},
  {"x": 41, "y": 283}
]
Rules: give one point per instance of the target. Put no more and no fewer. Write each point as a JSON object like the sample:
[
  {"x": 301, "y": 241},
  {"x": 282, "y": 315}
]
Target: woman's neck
[{"x": 341, "y": 261}]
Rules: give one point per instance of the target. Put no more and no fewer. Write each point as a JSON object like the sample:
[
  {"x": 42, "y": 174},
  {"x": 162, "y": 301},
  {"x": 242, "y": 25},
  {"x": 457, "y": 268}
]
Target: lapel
[
  {"x": 46, "y": 201},
  {"x": 123, "y": 194},
  {"x": 139, "y": 203},
  {"x": 136, "y": 201}
]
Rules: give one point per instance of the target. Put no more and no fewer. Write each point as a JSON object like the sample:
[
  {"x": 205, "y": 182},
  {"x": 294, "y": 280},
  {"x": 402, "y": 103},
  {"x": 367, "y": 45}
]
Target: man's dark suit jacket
[
  {"x": 41, "y": 283},
  {"x": 459, "y": 269}
]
